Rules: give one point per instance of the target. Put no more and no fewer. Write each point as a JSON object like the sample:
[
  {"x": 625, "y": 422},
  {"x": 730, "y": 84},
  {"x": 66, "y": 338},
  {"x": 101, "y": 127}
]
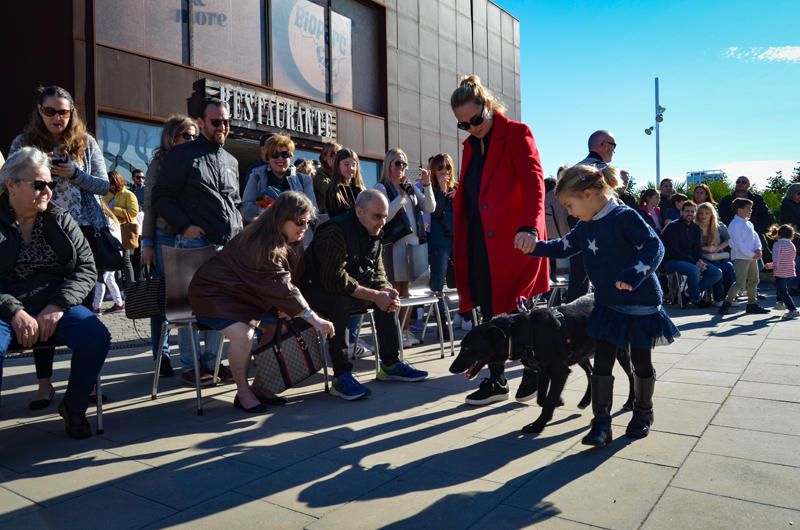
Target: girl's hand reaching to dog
[{"x": 622, "y": 286}]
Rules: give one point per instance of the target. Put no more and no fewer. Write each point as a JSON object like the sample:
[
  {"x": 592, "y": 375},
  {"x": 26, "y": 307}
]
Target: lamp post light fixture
[{"x": 659, "y": 117}]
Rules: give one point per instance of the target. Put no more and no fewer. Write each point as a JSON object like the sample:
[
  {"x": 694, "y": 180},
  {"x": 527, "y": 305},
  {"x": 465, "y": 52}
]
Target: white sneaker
[
  {"x": 466, "y": 325},
  {"x": 409, "y": 339},
  {"x": 363, "y": 346},
  {"x": 780, "y": 306},
  {"x": 791, "y": 315}
]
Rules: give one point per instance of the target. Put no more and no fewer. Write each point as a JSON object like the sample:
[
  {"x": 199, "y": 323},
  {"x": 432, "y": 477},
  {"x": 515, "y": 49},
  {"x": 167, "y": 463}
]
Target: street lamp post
[{"x": 659, "y": 117}]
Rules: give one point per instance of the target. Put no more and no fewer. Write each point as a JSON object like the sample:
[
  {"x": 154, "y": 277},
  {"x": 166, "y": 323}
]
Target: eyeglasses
[
  {"x": 40, "y": 185},
  {"x": 400, "y": 164},
  {"x": 50, "y": 112},
  {"x": 281, "y": 154},
  {"x": 216, "y": 122},
  {"x": 473, "y": 121},
  {"x": 189, "y": 136},
  {"x": 302, "y": 223}
]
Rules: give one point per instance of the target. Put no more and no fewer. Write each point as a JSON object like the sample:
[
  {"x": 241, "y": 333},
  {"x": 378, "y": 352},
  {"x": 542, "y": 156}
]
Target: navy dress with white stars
[{"x": 617, "y": 245}]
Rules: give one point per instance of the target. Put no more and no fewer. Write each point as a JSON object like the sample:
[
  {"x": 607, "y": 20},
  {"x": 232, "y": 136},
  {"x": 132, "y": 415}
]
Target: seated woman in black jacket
[{"x": 46, "y": 271}]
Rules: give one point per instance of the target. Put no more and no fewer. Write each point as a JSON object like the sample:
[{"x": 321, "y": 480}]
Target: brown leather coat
[{"x": 232, "y": 286}]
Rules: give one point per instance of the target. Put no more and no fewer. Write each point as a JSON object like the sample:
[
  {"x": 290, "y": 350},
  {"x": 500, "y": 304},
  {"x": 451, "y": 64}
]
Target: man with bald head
[
  {"x": 602, "y": 145},
  {"x": 345, "y": 275}
]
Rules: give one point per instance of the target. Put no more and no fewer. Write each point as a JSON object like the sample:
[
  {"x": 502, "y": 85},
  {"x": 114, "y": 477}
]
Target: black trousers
[
  {"x": 338, "y": 309},
  {"x": 606, "y": 353}
]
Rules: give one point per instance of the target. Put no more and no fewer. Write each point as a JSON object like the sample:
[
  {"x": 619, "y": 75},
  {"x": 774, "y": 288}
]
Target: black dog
[{"x": 547, "y": 340}]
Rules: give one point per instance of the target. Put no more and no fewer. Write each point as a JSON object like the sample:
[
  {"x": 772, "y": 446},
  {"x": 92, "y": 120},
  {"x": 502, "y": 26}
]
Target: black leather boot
[
  {"x": 643, "y": 388},
  {"x": 602, "y": 396}
]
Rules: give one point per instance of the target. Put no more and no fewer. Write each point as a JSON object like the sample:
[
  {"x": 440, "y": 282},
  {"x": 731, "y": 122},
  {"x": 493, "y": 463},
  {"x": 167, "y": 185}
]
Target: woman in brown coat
[{"x": 250, "y": 283}]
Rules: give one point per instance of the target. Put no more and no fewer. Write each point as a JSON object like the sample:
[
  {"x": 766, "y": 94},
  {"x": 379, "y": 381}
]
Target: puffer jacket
[
  {"x": 65, "y": 284},
  {"x": 199, "y": 185}
]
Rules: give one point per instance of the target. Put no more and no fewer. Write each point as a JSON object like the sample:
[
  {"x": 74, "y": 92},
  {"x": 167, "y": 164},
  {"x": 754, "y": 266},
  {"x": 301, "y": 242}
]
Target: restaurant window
[
  {"x": 358, "y": 48},
  {"x": 228, "y": 37},
  {"x": 127, "y": 145},
  {"x": 158, "y": 28},
  {"x": 348, "y": 71}
]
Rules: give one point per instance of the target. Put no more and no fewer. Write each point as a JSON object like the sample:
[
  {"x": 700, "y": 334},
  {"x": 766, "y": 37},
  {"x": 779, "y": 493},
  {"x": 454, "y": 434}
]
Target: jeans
[
  {"x": 728, "y": 273},
  {"x": 438, "y": 258},
  {"x": 697, "y": 281},
  {"x": 782, "y": 293},
  {"x": 207, "y": 357},
  {"x": 81, "y": 331}
]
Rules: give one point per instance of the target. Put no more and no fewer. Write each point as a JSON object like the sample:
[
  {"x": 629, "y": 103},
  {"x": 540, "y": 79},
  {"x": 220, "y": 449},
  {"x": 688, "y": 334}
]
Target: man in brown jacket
[{"x": 345, "y": 275}]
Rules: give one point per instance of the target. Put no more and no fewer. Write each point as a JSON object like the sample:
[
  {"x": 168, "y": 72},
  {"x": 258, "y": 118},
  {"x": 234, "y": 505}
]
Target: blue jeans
[
  {"x": 438, "y": 258},
  {"x": 696, "y": 281},
  {"x": 83, "y": 333},
  {"x": 782, "y": 293},
  {"x": 207, "y": 355},
  {"x": 728, "y": 273}
]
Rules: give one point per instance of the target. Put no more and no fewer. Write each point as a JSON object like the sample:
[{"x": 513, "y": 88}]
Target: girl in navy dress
[{"x": 622, "y": 254}]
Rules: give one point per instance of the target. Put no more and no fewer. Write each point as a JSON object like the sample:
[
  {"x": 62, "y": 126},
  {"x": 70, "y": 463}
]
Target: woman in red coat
[{"x": 498, "y": 214}]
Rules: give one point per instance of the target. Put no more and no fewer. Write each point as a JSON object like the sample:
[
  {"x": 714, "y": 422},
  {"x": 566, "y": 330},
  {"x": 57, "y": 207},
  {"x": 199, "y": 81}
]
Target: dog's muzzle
[{"x": 474, "y": 369}]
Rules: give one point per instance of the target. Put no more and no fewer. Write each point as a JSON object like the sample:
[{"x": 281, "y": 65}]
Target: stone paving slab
[{"x": 722, "y": 453}]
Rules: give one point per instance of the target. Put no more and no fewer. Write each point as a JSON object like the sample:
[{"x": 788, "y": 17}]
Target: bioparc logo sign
[{"x": 308, "y": 48}]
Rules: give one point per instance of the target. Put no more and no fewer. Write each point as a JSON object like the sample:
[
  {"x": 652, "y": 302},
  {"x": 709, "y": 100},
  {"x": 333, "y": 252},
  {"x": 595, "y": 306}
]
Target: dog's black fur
[{"x": 547, "y": 340}]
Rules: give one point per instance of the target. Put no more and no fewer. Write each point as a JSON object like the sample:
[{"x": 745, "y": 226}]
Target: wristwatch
[{"x": 308, "y": 313}]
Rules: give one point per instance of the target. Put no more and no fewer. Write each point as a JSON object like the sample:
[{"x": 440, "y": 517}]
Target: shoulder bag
[{"x": 289, "y": 358}]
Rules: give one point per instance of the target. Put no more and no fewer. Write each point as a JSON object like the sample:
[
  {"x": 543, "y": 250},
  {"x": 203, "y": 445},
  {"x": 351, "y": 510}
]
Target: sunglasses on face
[
  {"x": 447, "y": 167},
  {"x": 301, "y": 223},
  {"x": 189, "y": 136},
  {"x": 282, "y": 154},
  {"x": 40, "y": 185},
  {"x": 216, "y": 122},
  {"x": 401, "y": 164},
  {"x": 742, "y": 182},
  {"x": 50, "y": 112},
  {"x": 473, "y": 121}
]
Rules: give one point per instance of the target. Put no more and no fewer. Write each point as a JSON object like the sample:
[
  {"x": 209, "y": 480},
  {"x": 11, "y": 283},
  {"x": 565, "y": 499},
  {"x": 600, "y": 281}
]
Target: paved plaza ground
[{"x": 723, "y": 452}]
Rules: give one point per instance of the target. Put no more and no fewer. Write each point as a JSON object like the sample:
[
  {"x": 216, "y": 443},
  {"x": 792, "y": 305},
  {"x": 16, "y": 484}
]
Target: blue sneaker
[
  {"x": 346, "y": 387},
  {"x": 401, "y": 371}
]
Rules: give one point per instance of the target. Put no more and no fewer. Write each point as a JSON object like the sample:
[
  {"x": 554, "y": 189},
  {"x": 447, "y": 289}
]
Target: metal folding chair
[
  {"x": 370, "y": 314},
  {"x": 425, "y": 300},
  {"x": 180, "y": 265}
]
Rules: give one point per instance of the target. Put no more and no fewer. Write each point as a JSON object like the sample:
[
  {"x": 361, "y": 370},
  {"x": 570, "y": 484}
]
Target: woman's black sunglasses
[
  {"x": 40, "y": 185},
  {"x": 282, "y": 154},
  {"x": 473, "y": 121}
]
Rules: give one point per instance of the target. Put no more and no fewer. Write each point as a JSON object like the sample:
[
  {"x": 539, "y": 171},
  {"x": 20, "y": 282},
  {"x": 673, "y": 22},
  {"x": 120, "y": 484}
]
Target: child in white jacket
[{"x": 745, "y": 252}]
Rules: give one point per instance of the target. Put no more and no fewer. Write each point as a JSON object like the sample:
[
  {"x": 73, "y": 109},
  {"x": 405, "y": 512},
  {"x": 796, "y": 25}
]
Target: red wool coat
[{"x": 511, "y": 196}]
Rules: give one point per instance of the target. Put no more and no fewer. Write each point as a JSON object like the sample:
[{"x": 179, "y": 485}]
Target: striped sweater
[{"x": 783, "y": 257}]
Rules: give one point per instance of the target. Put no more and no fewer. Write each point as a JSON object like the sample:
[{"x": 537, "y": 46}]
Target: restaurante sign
[{"x": 255, "y": 109}]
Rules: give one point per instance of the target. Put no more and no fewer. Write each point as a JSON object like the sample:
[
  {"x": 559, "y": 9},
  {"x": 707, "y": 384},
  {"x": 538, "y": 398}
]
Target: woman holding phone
[
  {"x": 79, "y": 171},
  {"x": 404, "y": 226}
]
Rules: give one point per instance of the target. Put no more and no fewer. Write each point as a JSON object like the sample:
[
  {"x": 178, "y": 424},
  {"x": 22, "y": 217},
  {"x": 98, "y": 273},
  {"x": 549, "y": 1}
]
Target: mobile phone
[
  {"x": 412, "y": 174},
  {"x": 63, "y": 159}
]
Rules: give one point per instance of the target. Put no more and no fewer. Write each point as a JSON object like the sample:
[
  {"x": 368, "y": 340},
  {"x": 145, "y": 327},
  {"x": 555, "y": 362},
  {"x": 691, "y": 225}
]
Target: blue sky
[{"x": 588, "y": 65}]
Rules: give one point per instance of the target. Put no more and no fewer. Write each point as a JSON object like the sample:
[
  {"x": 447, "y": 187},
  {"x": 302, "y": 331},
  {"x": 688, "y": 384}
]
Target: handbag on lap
[{"x": 289, "y": 358}]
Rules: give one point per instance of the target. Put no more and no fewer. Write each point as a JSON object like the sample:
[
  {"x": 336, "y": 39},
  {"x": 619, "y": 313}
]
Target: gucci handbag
[
  {"x": 145, "y": 298},
  {"x": 289, "y": 358}
]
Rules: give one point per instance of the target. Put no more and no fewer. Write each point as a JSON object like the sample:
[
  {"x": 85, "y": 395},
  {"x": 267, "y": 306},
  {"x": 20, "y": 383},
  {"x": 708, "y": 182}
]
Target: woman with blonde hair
[
  {"x": 715, "y": 244},
  {"x": 440, "y": 235},
  {"x": 156, "y": 232},
  {"x": 498, "y": 215},
  {"x": 404, "y": 226},
  {"x": 251, "y": 282}
]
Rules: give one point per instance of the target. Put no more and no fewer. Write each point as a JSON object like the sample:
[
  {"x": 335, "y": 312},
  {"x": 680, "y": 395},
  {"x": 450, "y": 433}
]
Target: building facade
[
  {"x": 706, "y": 175},
  {"x": 383, "y": 79}
]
